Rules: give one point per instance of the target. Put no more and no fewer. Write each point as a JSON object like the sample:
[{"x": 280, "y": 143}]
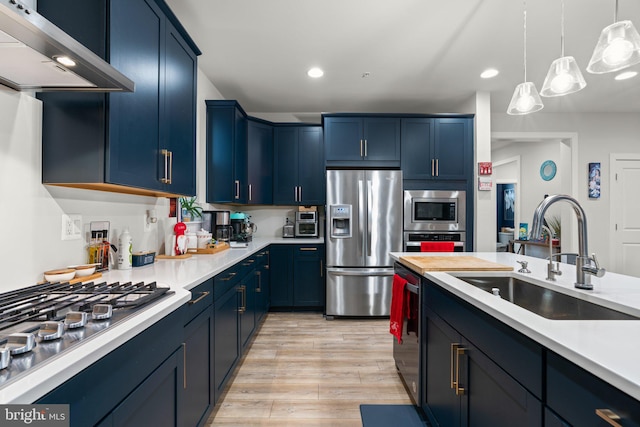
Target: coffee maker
[
  {"x": 239, "y": 227},
  {"x": 219, "y": 224}
]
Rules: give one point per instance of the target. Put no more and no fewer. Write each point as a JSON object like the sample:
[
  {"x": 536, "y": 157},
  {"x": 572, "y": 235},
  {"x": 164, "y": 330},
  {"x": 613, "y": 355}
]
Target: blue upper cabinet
[
  {"x": 354, "y": 140},
  {"x": 260, "y": 162},
  {"x": 141, "y": 142},
  {"x": 298, "y": 166},
  {"x": 437, "y": 148},
  {"x": 226, "y": 152}
]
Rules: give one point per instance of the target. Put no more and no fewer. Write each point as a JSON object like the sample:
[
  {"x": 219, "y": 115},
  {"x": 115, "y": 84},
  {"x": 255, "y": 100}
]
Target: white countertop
[
  {"x": 607, "y": 348},
  {"x": 179, "y": 275}
]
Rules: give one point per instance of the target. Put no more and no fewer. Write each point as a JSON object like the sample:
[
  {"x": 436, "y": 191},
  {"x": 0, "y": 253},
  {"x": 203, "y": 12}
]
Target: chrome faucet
[
  {"x": 585, "y": 265},
  {"x": 551, "y": 272}
]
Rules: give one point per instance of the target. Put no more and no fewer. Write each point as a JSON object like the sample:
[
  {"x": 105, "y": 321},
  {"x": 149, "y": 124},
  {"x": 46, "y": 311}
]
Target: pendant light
[
  {"x": 525, "y": 98},
  {"x": 617, "y": 48},
  {"x": 564, "y": 76}
]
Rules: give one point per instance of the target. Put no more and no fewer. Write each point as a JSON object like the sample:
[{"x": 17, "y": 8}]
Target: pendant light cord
[
  {"x": 615, "y": 13},
  {"x": 562, "y": 28},
  {"x": 524, "y": 2}
]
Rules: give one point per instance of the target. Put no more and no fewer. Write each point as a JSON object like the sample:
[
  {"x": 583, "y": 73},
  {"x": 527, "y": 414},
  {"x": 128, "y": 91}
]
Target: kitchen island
[
  {"x": 604, "y": 349},
  {"x": 181, "y": 276}
]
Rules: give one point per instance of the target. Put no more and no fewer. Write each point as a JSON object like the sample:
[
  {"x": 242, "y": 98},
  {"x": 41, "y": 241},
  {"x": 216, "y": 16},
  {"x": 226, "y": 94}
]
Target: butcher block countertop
[
  {"x": 423, "y": 264},
  {"x": 602, "y": 347}
]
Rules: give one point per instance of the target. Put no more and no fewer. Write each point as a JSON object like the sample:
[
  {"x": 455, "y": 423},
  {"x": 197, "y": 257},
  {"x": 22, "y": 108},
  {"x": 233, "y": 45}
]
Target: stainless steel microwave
[{"x": 426, "y": 210}]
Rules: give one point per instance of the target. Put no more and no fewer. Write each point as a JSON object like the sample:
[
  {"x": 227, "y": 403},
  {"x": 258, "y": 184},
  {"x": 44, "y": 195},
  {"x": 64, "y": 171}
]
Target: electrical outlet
[{"x": 71, "y": 227}]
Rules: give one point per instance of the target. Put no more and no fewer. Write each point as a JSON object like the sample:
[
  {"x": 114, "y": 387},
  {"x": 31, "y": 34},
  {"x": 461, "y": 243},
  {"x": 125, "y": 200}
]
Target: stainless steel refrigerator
[{"x": 364, "y": 224}]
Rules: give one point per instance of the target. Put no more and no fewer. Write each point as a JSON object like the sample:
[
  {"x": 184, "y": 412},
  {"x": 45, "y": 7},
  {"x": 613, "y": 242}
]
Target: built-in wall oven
[
  {"x": 407, "y": 353},
  {"x": 434, "y": 216}
]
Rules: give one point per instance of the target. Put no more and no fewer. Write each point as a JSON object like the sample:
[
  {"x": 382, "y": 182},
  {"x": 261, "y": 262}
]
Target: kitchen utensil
[{"x": 423, "y": 264}]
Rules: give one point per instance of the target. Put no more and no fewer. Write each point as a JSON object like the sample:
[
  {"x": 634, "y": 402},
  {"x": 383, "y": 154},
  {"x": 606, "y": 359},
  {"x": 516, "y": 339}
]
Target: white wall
[{"x": 599, "y": 135}]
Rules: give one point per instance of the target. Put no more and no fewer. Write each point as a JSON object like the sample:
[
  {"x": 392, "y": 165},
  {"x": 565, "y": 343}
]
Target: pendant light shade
[
  {"x": 618, "y": 47},
  {"x": 525, "y": 98},
  {"x": 564, "y": 76}
]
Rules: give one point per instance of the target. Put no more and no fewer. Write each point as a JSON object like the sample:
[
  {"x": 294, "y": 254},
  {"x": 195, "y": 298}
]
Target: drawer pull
[
  {"x": 184, "y": 365},
  {"x": 308, "y": 249},
  {"x": 230, "y": 276},
  {"x": 609, "y": 416},
  {"x": 202, "y": 296},
  {"x": 459, "y": 390},
  {"x": 454, "y": 347}
]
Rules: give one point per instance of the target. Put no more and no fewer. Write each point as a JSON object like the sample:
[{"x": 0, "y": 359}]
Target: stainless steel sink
[{"x": 545, "y": 302}]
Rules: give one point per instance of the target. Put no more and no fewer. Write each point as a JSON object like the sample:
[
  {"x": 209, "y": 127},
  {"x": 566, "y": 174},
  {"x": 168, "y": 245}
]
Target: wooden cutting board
[
  {"x": 423, "y": 264},
  {"x": 211, "y": 249}
]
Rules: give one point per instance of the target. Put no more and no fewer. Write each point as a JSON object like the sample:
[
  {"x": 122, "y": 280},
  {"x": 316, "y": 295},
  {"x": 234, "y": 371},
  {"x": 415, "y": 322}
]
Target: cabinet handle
[
  {"x": 459, "y": 390},
  {"x": 168, "y": 166},
  {"x": 437, "y": 167},
  {"x": 454, "y": 347},
  {"x": 295, "y": 193},
  {"x": 433, "y": 170},
  {"x": 184, "y": 365},
  {"x": 308, "y": 249},
  {"x": 259, "y": 287},
  {"x": 243, "y": 307},
  {"x": 230, "y": 276},
  {"x": 300, "y": 193},
  {"x": 365, "y": 147},
  {"x": 249, "y": 192},
  {"x": 202, "y": 296},
  {"x": 609, "y": 416},
  {"x": 237, "y": 184},
  {"x": 361, "y": 151},
  {"x": 321, "y": 269}
]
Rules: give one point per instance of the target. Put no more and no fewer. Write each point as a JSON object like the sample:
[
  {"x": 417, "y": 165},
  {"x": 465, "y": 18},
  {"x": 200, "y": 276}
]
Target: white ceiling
[{"x": 423, "y": 56}]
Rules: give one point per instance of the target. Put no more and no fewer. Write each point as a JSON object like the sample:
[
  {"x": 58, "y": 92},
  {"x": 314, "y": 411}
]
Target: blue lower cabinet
[
  {"x": 158, "y": 401},
  {"x": 226, "y": 333},
  {"x": 247, "y": 311},
  {"x": 297, "y": 276},
  {"x": 263, "y": 285},
  {"x": 119, "y": 387},
  {"x": 198, "y": 387}
]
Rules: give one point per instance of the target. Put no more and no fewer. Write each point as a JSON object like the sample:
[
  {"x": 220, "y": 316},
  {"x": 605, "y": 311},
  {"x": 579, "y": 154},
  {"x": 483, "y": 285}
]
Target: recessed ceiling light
[
  {"x": 315, "y": 72},
  {"x": 626, "y": 75},
  {"x": 489, "y": 73},
  {"x": 66, "y": 61}
]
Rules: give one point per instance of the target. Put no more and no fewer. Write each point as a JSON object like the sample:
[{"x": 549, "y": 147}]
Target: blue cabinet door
[
  {"x": 308, "y": 276},
  {"x": 226, "y": 337},
  {"x": 281, "y": 258},
  {"x": 381, "y": 139},
  {"x": 416, "y": 148},
  {"x": 311, "y": 178},
  {"x": 343, "y": 139},
  {"x": 362, "y": 141},
  {"x": 260, "y": 163},
  {"x": 453, "y": 144},
  {"x": 136, "y": 46},
  {"x": 247, "y": 307},
  {"x": 179, "y": 133},
  {"x": 285, "y": 162},
  {"x": 226, "y": 153},
  {"x": 263, "y": 284},
  {"x": 198, "y": 386}
]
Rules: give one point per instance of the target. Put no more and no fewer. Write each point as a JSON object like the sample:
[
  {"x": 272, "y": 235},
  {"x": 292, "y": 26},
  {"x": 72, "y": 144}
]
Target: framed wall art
[{"x": 594, "y": 180}]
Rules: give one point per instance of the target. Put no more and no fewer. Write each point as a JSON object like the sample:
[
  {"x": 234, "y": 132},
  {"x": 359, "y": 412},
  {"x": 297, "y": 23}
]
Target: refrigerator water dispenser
[{"x": 340, "y": 221}]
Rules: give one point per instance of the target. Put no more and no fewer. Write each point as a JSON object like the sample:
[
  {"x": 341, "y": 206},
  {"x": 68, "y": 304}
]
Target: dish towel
[
  {"x": 397, "y": 307},
  {"x": 436, "y": 246}
]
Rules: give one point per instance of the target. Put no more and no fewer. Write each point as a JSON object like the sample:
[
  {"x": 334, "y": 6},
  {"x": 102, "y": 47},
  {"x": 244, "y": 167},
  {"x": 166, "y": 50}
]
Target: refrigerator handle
[
  {"x": 369, "y": 215},
  {"x": 361, "y": 216}
]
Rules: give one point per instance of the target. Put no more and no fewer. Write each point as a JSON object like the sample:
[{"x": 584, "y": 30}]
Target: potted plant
[{"x": 189, "y": 209}]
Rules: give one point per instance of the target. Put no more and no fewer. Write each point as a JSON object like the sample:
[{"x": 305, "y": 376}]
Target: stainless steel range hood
[{"x": 33, "y": 50}]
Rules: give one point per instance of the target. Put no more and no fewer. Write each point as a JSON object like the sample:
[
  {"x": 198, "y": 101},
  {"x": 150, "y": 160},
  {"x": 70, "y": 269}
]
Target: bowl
[
  {"x": 62, "y": 275},
  {"x": 84, "y": 270}
]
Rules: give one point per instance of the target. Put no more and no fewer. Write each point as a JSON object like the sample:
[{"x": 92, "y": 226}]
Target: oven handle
[
  {"x": 412, "y": 288},
  {"x": 413, "y": 243}
]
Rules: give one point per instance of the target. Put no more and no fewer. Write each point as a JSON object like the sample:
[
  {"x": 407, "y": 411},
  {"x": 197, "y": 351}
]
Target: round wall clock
[{"x": 548, "y": 170}]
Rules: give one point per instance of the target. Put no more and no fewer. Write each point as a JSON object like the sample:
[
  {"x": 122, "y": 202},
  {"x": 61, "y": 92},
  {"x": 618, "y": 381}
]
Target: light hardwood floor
[{"x": 303, "y": 370}]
